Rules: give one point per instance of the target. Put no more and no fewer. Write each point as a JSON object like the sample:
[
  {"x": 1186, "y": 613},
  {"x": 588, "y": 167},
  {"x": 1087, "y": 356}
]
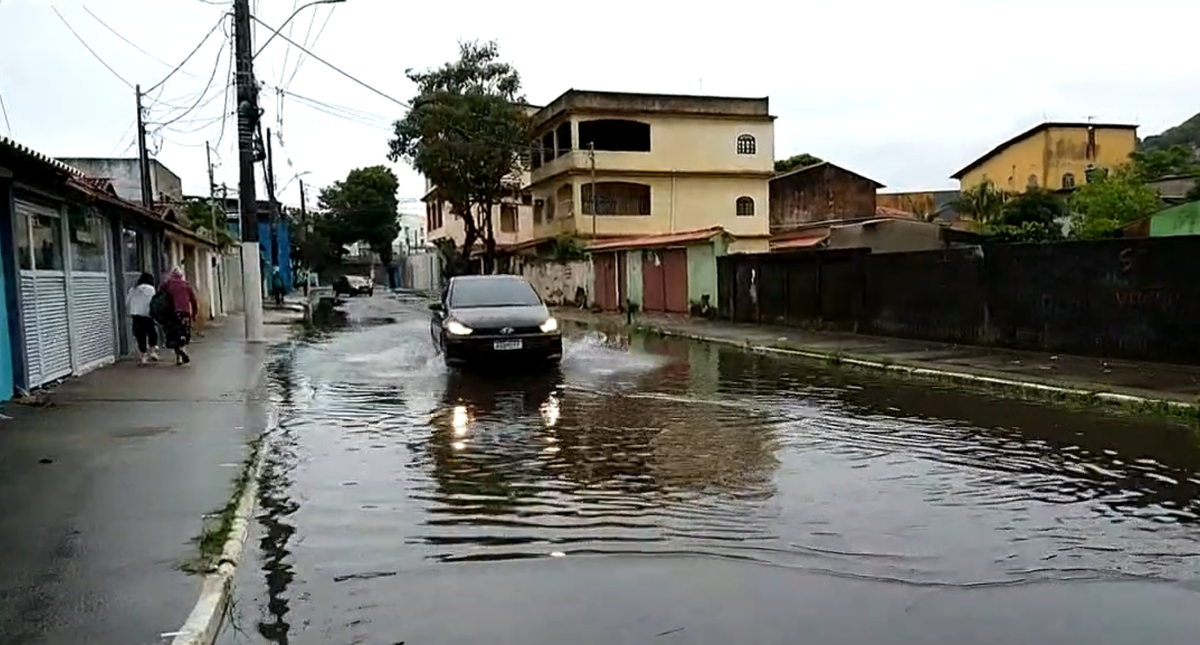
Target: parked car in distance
[
  {"x": 353, "y": 285},
  {"x": 497, "y": 318}
]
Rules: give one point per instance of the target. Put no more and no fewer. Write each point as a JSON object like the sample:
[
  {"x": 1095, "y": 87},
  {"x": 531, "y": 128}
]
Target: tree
[
  {"x": 465, "y": 132},
  {"x": 1155, "y": 163},
  {"x": 323, "y": 243},
  {"x": 364, "y": 208},
  {"x": 1109, "y": 201},
  {"x": 202, "y": 215},
  {"x": 983, "y": 203},
  {"x": 793, "y": 162},
  {"x": 1033, "y": 216}
]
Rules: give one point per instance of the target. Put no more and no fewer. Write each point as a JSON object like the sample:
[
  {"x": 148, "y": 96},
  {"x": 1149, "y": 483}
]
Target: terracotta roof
[
  {"x": 824, "y": 164},
  {"x": 810, "y": 241},
  {"x": 44, "y": 159},
  {"x": 653, "y": 241},
  {"x": 1034, "y": 130}
]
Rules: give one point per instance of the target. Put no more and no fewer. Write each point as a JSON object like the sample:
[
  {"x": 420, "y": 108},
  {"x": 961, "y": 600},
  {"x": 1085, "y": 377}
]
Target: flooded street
[{"x": 664, "y": 491}]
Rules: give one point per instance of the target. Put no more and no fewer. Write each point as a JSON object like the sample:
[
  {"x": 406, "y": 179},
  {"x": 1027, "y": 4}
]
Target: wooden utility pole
[
  {"x": 248, "y": 115},
  {"x": 271, "y": 198},
  {"x": 592, "y": 163},
  {"x": 143, "y": 153}
]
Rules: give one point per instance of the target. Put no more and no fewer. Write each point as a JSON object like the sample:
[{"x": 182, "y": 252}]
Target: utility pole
[
  {"x": 248, "y": 114},
  {"x": 592, "y": 163},
  {"x": 274, "y": 204},
  {"x": 212, "y": 190},
  {"x": 143, "y": 153}
]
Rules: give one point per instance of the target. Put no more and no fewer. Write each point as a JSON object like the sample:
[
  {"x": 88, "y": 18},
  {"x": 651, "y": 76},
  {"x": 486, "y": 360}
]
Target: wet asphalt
[{"x": 664, "y": 491}]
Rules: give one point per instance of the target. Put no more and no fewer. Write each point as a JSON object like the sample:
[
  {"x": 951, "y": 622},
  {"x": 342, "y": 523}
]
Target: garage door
[
  {"x": 93, "y": 323},
  {"x": 606, "y": 280},
  {"x": 45, "y": 327}
]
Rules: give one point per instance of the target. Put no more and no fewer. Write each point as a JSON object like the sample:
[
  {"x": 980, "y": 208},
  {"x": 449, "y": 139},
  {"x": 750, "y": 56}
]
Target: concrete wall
[
  {"x": 1128, "y": 298},
  {"x": 633, "y": 276},
  {"x": 823, "y": 192},
  {"x": 887, "y": 236},
  {"x": 126, "y": 177},
  {"x": 1183, "y": 219},
  {"x": 8, "y": 290},
  {"x": 559, "y": 282},
  {"x": 702, "y": 274},
  {"x": 423, "y": 272},
  {"x": 1051, "y": 153}
]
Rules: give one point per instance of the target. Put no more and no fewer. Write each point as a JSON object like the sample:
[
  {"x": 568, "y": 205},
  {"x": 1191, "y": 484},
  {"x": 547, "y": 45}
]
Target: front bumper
[{"x": 471, "y": 349}]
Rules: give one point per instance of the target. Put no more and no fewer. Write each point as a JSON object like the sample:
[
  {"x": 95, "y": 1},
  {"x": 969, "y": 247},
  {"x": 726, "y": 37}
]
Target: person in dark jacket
[{"x": 179, "y": 327}]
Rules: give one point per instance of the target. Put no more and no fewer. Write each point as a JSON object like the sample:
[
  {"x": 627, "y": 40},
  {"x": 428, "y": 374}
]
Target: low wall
[{"x": 560, "y": 283}]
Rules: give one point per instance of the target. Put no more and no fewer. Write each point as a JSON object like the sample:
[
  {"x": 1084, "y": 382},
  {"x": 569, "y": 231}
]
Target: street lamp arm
[{"x": 275, "y": 32}]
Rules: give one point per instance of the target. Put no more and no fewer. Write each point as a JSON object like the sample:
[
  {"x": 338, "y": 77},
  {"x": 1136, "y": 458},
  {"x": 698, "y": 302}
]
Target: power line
[
  {"x": 178, "y": 67},
  {"x": 130, "y": 42},
  {"x": 302, "y": 57},
  {"x": 331, "y": 65},
  {"x": 208, "y": 86},
  {"x": 291, "y": 26},
  {"x": 4, "y": 110},
  {"x": 89, "y": 48}
]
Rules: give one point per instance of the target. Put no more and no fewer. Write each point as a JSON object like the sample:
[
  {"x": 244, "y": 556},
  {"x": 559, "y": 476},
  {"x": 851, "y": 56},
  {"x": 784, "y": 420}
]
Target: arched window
[
  {"x": 745, "y": 206},
  {"x": 1032, "y": 182},
  {"x": 746, "y": 145},
  {"x": 1068, "y": 180}
]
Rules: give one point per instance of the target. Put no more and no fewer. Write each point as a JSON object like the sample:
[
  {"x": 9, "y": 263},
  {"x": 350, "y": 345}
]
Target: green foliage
[
  {"x": 793, "y": 162},
  {"x": 201, "y": 216},
  {"x": 1159, "y": 162},
  {"x": 322, "y": 244},
  {"x": 365, "y": 209},
  {"x": 465, "y": 132},
  {"x": 1186, "y": 134},
  {"x": 983, "y": 203},
  {"x": 568, "y": 249},
  {"x": 1032, "y": 216},
  {"x": 1109, "y": 201},
  {"x": 1194, "y": 193}
]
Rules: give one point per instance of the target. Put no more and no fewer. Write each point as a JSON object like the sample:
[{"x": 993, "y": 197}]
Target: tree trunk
[
  {"x": 489, "y": 239},
  {"x": 463, "y": 211}
]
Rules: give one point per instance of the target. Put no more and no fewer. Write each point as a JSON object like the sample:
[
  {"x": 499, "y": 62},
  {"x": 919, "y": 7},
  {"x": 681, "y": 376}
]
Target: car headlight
[
  {"x": 457, "y": 328},
  {"x": 550, "y": 325}
]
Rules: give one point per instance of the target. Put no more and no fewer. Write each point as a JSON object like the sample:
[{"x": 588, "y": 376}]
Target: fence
[{"x": 1131, "y": 298}]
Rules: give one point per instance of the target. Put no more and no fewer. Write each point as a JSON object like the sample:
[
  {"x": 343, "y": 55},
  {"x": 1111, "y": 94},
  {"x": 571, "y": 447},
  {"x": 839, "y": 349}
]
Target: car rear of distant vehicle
[{"x": 495, "y": 319}]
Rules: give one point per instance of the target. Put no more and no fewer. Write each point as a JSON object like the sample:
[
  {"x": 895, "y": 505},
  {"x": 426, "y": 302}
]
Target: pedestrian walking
[
  {"x": 180, "y": 316},
  {"x": 277, "y": 289},
  {"x": 137, "y": 301}
]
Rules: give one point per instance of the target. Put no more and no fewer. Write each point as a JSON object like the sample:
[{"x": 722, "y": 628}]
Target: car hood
[{"x": 530, "y": 316}]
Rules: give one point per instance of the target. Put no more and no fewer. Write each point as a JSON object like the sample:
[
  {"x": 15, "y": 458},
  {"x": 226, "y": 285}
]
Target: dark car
[
  {"x": 494, "y": 317},
  {"x": 353, "y": 285}
]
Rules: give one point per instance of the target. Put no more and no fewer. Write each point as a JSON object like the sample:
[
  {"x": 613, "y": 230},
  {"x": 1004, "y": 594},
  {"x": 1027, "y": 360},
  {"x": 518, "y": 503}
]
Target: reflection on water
[{"x": 387, "y": 463}]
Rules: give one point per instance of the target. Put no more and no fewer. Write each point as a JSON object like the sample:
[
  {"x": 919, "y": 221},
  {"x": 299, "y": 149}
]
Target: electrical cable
[
  {"x": 4, "y": 110},
  {"x": 89, "y": 48},
  {"x": 220, "y": 22},
  {"x": 331, "y": 65},
  {"x": 208, "y": 86},
  {"x": 130, "y": 42},
  {"x": 303, "y": 57},
  {"x": 291, "y": 26}
]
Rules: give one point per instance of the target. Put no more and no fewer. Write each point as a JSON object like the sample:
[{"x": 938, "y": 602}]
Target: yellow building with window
[
  {"x": 1053, "y": 155},
  {"x": 614, "y": 164}
]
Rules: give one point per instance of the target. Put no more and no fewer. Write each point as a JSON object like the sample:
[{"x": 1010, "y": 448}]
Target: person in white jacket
[{"x": 144, "y": 328}]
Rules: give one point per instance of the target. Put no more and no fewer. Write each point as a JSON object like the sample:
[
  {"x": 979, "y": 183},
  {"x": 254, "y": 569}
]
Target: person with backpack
[
  {"x": 177, "y": 310},
  {"x": 137, "y": 301}
]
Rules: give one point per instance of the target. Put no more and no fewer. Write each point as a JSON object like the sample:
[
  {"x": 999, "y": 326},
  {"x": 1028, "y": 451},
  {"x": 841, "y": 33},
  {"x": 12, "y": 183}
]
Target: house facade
[
  {"x": 1054, "y": 155},
  {"x": 70, "y": 248},
  {"x": 126, "y": 178},
  {"x": 610, "y": 164},
  {"x": 820, "y": 193},
  {"x": 512, "y": 218}
]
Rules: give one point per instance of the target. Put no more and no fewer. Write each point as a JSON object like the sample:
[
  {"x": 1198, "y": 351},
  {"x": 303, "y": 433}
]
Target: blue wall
[
  {"x": 8, "y": 291},
  {"x": 284, "y": 240}
]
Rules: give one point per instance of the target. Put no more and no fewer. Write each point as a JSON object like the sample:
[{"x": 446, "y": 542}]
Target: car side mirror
[{"x": 436, "y": 306}]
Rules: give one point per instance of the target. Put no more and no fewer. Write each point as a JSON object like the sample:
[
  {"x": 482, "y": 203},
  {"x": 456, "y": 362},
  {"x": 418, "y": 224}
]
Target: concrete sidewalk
[
  {"x": 1179, "y": 383},
  {"x": 104, "y": 489}
]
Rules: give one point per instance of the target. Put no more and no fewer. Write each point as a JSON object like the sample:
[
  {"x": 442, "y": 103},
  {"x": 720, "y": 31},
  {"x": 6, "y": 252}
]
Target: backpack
[{"x": 161, "y": 306}]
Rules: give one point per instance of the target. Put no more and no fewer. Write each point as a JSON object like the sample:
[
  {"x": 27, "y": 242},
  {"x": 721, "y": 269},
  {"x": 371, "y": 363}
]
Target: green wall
[
  {"x": 1183, "y": 219},
  {"x": 702, "y": 273},
  {"x": 633, "y": 276}
]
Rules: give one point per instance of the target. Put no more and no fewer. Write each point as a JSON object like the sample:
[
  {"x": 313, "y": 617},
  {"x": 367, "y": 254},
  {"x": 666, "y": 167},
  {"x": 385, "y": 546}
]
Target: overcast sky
[{"x": 904, "y": 92}]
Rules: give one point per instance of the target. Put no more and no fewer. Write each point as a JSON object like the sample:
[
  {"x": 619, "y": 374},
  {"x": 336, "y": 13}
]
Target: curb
[
  {"x": 929, "y": 373},
  {"x": 204, "y": 622}
]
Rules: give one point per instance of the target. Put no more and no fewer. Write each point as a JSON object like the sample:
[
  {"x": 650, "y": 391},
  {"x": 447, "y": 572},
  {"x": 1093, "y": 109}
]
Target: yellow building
[
  {"x": 1054, "y": 155},
  {"x": 660, "y": 164},
  {"x": 512, "y": 218}
]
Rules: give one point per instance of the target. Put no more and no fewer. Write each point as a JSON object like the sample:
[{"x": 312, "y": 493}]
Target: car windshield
[{"x": 492, "y": 293}]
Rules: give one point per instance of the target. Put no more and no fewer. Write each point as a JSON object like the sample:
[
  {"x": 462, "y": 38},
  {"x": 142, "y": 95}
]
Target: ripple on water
[{"x": 709, "y": 454}]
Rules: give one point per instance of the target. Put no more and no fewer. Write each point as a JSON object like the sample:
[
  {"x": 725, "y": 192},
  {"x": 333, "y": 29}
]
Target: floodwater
[{"x": 663, "y": 491}]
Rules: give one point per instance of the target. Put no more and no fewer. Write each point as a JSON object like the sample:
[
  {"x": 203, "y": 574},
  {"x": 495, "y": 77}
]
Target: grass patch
[{"x": 218, "y": 524}]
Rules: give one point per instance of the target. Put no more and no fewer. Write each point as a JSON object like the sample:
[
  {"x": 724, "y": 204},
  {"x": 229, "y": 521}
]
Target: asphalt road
[{"x": 664, "y": 491}]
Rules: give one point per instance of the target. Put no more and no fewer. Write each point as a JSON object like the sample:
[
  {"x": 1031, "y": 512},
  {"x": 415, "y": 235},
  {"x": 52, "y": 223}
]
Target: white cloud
[{"x": 903, "y": 92}]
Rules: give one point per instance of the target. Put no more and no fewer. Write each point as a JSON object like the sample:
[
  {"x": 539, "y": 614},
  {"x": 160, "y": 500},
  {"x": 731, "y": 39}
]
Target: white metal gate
[
  {"x": 44, "y": 321},
  {"x": 89, "y": 271}
]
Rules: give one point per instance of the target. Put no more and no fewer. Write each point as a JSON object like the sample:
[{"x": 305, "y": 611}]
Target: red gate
[{"x": 605, "y": 265}]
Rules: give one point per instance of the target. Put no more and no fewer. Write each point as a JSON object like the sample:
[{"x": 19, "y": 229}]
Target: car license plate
[{"x": 507, "y": 345}]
